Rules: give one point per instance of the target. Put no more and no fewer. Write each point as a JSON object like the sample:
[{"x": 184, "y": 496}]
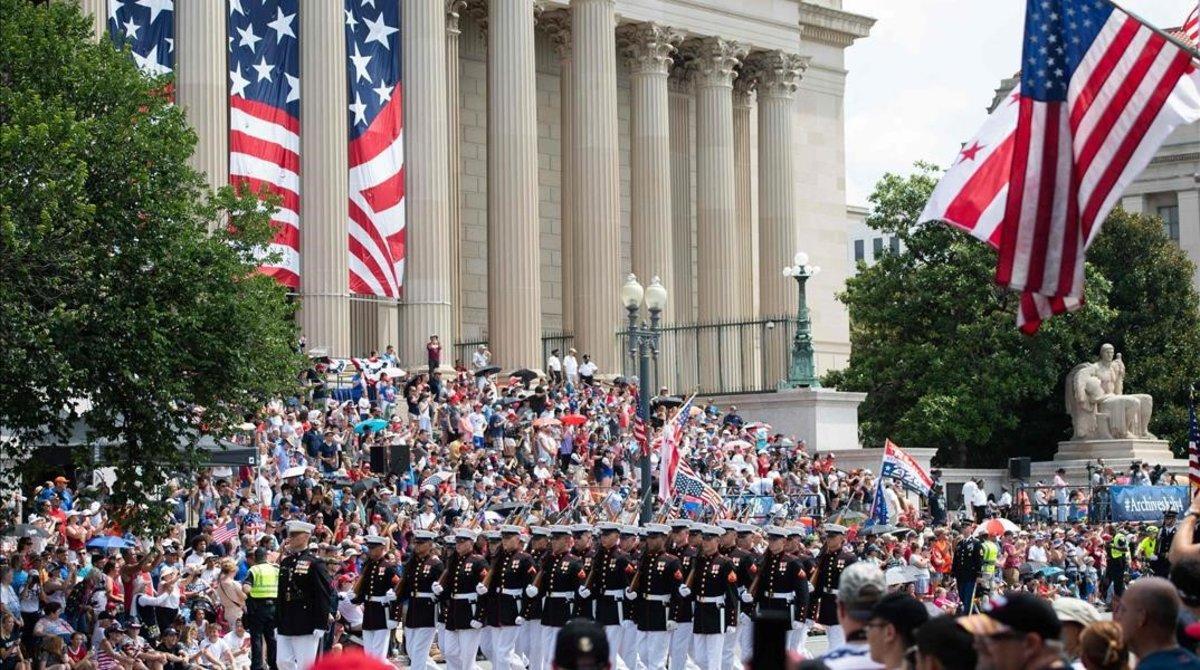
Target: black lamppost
[
  {"x": 643, "y": 346},
  {"x": 802, "y": 373}
]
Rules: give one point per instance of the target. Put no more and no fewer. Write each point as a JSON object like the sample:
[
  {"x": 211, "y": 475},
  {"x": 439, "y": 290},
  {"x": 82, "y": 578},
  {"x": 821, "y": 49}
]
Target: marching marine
[
  {"x": 375, "y": 592},
  {"x": 832, "y": 560},
  {"x": 307, "y": 601},
  {"x": 713, "y": 583},
  {"x": 657, "y": 579},
  {"x": 459, "y": 589},
  {"x": 511, "y": 571},
  {"x": 420, "y": 573}
]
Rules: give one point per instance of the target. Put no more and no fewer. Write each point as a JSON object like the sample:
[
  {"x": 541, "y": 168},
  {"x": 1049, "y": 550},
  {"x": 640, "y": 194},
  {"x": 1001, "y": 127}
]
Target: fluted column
[
  {"x": 454, "y": 9},
  {"x": 514, "y": 277},
  {"x": 325, "y": 306},
  {"x": 557, "y": 24},
  {"x": 97, "y": 10},
  {"x": 426, "y": 307},
  {"x": 720, "y": 272},
  {"x": 597, "y": 220},
  {"x": 747, "y": 228},
  {"x": 201, "y": 73},
  {"x": 648, "y": 48},
  {"x": 776, "y": 75},
  {"x": 679, "y": 112}
]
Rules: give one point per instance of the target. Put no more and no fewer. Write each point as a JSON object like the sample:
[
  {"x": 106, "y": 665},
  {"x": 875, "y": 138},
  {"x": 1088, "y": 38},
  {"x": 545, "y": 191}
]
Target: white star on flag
[
  {"x": 237, "y": 83},
  {"x": 131, "y": 28},
  {"x": 378, "y": 31},
  {"x": 360, "y": 65},
  {"x": 156, "y": 6},
  {"x": 359, "y": 109},
  {"x": 282, "y": 25},
  {"x": 263, "y": 68},
  {"x": 384, "y": 92},
  {"x": 248, "y": 38},
  {"x": 293, "y": 88}
]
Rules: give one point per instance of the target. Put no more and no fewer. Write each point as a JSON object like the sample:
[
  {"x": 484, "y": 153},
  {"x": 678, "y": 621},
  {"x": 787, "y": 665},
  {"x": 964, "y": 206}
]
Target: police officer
[
  {"x": 561, "y": 578},
  {"x": 459, "y": 589},
  {"x": 781, "y": 584},
  {"x": 680, "y": 547},
  {"x": 990, "y": 554},
  {"x": 531, "y": 631},
  {"x": 306, "y": 600},
  {"x": 420, "y": 573},
  {"x": 747, "y": 559},
  {"x": 375, "y": 591},
  {"x": 657, "y": 579},
  {"x": 713, "y": 581},
  {"x": 1116, "y": 566},
  {"x": 1160, "y": 564},
  {"x": 833, "y": 559},
  {"x": 607, "y": 580},
  {"x": 511, "y": 571},
  {"x": 261, "y": 587}
]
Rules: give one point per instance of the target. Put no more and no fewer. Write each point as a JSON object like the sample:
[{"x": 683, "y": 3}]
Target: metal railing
[
  {"x": 550, "y": 342},
  {"x": 722, "y": 357}
]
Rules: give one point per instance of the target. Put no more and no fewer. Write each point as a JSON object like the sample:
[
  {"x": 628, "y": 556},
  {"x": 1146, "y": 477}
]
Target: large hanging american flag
[
  {"x": 376, "y": 243},
  {"x": 264, "y": 119},
  {"x": 148, "y": 27},
  {"x": 1099, "y": 93}
]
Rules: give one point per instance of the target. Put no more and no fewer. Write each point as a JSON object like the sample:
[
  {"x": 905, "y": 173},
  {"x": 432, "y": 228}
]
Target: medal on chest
[{"x": 662, "y": 565}]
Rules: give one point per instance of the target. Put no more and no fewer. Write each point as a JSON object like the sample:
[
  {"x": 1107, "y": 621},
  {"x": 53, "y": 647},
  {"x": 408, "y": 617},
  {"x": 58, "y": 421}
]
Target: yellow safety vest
[
  {"x": 1116, "y": 550},
  {"x": 265, "y": 583},
  {"x": 991, "y": 553}
]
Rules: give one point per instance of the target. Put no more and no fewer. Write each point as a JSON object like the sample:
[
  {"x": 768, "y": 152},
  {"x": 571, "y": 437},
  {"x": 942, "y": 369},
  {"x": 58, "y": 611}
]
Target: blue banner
[{"x": 1146, "y": 503}]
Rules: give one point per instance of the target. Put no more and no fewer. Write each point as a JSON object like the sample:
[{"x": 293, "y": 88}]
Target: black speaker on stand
[
  {"x": 1018, "y": 468},
  {"x": 400, "y": 461},
  {"x": 379, "y": 459}
]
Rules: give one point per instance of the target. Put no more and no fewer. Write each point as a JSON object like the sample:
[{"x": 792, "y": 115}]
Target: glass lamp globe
[
  {"x": 632, "y": 292},
  {"x": 656, "y": 295}
]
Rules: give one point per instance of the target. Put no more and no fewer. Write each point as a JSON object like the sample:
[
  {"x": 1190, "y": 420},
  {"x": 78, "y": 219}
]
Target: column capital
[
  {"x": 557, "y": 24},
  {"x": 679, "y": 81},
  {"x": 743, "y": 87},
  {"x": 648, "y": 47},
  {"x": 454, "y": 10},
  {"x": 775, "y": 73},
  {"x": 713, "y": 59}
]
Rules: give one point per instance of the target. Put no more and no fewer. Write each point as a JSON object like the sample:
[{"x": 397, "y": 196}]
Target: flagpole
[{"x": 1187, "y": 48}]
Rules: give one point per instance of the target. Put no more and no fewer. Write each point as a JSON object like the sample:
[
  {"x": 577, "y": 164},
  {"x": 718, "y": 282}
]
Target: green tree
[
  {"x": 935, "y": 345},
  {"x": 112, "y": 288}
]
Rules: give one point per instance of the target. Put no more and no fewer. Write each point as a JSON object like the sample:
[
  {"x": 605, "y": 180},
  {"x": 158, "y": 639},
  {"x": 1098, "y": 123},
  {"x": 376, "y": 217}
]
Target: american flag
[
  {"x": 148, "y": 27},
  {"x": 1193, "y": 446},
  {"x": 668, "y": 450},
  {"x": 376, "y": 251},
  {"x": 639, "y": 434},
  {"x": 264, "y": 120},
  {"x": 692, "y": 488},
  {"x": 1099, "y": 93},
  {"x": 225, "y": 533},
  {"x": 1191, "y": 27}
]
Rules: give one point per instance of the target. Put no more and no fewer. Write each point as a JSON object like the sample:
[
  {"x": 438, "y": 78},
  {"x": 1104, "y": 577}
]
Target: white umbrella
[
  {"x": 294, "y": 471},
  {"x": 393, "y": 372}
]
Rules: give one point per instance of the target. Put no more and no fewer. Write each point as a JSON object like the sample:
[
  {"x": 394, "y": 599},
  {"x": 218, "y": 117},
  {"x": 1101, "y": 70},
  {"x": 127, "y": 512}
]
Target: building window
[
  {"x": 895, "y": 245},
  {"x": 859, "y": 250},
  {"x": 1170, "y": 217},
  {"x": 877, "y": 247}
]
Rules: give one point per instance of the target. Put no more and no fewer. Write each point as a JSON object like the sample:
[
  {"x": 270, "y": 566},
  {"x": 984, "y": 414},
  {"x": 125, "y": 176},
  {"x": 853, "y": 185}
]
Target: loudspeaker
[
  {"x": 400, "y": 459},
  {"x": 379, "y": 459},
  {"x": 1018, "y": 468}
]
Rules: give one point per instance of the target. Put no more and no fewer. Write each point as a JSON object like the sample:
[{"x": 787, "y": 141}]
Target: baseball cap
[
  {"x": 1075, "y": 610},
  {"x": 903, "y": 611},
  {"x": 862, "y": 587},
  {"x": 1014, "y": 611},
  {"x": 581, "y": 645}
]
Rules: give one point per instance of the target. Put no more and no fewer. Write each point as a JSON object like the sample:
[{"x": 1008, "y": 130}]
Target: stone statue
[{"x": 1097, "y": 404}]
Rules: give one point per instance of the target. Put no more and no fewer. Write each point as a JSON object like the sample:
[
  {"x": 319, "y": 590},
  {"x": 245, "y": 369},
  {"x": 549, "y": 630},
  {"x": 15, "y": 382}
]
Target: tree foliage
[
  {"x": 112, "y": 288},
  {"x": 935, "y": 345}
]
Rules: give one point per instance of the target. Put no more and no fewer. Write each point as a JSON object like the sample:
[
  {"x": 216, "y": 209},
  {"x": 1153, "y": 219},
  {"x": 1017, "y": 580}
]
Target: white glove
[
  {"x": 476, "y": 624},
  {"x": 389, "y": 597},
  {"x": 797, "y": 625},
  {"x": 730, "y": 629},
  {"x": 672, "y": 625},
  {"x": 481, "y": 588},
  {"x": 630, "y": 594},
  {"x": 531, "y": 591},
  {"x": 747, "y": 598},
  {"x": 436, "y": 588},
  {"x": 684, "y": 591},
  {"x": 519, "y": 620},
  {"x": 584, "y": 592}
]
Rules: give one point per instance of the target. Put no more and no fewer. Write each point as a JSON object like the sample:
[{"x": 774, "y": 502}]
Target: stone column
[
  {"x": 454, "y": 9},
  {"x": 597, "y": 219},
  {"x": 720, "y": 272},
  {"x": 514, "y": 277},
  {"x": 776, "y": 76},
  {"x": 324, "y": 182},
  {"x": 557, "y": 24},
  {"x": 648, "y": 48},
  {"x": 682, "y": 364},
  {"x": 201, "y": 76},
  {"x": 427, "y": 295},
  {"x": 747, "y": 229},
  {"x": 1189, "y": 227},
  {"x": 98, "y": 11}
]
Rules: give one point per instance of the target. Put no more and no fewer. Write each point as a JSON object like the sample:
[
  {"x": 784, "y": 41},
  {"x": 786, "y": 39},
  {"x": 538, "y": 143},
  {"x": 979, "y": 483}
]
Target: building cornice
[{"x": 832, "y": 26}]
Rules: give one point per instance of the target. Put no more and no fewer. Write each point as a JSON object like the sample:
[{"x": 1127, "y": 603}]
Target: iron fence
[{"x": 550, "y": 342}]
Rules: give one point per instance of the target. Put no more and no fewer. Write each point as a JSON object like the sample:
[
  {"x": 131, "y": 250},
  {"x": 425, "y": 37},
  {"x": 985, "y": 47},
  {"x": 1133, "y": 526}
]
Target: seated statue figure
[{"x": 1099, "y": 408}]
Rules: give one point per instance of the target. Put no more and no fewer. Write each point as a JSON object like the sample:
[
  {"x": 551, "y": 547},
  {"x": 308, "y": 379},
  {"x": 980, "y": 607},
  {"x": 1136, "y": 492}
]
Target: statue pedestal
[
  {"x": 827, "y": 420},
  {"x": 1116, "y": 451}
]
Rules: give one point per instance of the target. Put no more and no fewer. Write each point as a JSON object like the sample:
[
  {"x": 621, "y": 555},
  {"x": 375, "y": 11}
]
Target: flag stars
[
  {"x": 237, "y": 82},
  {"x": 131, "y": 28},
  {"x": 384, "y": 92},
  {"x": 293, "y": 88},
  {"x": 263, "y": 68},
  {"x": 359, "y": 109},
  {"x": 282, "y": 25},
  {"x": 248, "y": 38},
  {"x": 360, "y": 65},
  {"x": 156, "y": 7},
  {"x": 378, "y": 31},
  {"x": 970, "y": 153}
]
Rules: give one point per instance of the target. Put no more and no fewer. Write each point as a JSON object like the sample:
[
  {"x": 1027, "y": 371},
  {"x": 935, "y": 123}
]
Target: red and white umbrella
[{"x": 997, "y": 527}]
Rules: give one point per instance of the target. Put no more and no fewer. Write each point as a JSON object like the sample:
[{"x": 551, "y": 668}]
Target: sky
[{"x": 920, "y": 85}]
